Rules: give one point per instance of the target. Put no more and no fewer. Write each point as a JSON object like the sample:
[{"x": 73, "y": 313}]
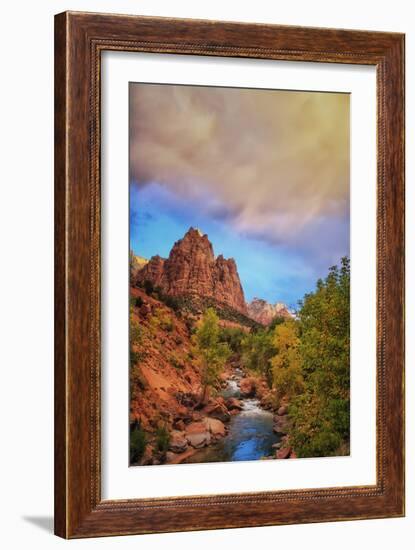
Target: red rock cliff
[{"x": 192, "y": 268}]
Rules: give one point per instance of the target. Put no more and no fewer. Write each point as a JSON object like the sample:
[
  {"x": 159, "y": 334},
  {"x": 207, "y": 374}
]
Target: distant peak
[
  {"x": 256, "y": 300},
  {"x": 263, "y": 312}
]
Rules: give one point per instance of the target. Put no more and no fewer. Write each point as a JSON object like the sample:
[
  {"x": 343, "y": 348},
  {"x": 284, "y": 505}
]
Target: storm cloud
[{"x": 273, "y": 164}]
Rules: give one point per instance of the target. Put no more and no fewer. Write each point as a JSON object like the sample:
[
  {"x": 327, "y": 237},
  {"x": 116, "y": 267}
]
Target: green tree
[
  {"x": 286, "y": 364},
  {"x": 233, "y": 336},
  {"x": 211, "y": 353},
  {"x": 138, "y": 442},
  {"x": 136, "y": 338},
  {"x": 275, "y": 322},
  {"x": 321, "y": 415},
  {"x": 162, "y": 439},
  {"x": 148, "y": 287},
  {"x": 257, "y": 352}
]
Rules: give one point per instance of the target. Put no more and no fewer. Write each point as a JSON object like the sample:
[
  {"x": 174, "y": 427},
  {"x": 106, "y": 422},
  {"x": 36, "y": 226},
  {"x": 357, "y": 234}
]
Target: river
[{"x": 250, "y": 435}]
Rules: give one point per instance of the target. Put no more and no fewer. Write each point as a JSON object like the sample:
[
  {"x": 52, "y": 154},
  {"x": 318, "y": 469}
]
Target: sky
[{"x": 264, "y": 173}]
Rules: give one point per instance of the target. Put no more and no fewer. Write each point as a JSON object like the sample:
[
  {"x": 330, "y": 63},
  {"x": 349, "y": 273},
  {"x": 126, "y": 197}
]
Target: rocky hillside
[
  {"x": 193, "y": 270},
  {"x": 136, "y": 263},
  {"x": 263, "y": 312},
  {"x": 166, "y": 386},
  {"x": 162, "y": 367}
]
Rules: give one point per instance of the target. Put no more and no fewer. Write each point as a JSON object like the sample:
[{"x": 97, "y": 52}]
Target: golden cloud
[{"x": 276, "y": 162}]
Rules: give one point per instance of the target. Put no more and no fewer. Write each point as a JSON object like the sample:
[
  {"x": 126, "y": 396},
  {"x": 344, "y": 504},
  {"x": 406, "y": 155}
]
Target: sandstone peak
[
  {"x": 136, "y": 263},
  {"x": 263, "y": 312},
  {"x": 191, "y": 269}
]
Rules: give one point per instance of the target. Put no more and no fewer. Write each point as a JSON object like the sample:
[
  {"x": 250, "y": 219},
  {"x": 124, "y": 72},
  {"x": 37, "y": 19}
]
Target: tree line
[{"x": 305, "y": 361}]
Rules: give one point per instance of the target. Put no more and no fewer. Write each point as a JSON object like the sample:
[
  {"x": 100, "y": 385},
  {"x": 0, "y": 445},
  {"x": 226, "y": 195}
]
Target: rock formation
[
  {"x": 264, "y": 312},
  {"x": 136, "y": 263},
  {"x": 192, "y": 269}
]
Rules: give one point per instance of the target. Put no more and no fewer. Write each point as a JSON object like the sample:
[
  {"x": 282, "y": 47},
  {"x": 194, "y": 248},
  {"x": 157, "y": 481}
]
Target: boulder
[
  {"x": 147, "y": 457},
  {"x": 284, "y": 453},
  {"x": 170, "y": 457},
  {"x": 199, "y": 440},
  {"x": 195, "y": 428},
  {"x": 217, "y": 410},
  {"x": 281, "y": 424},
  {"x": 178, "y": 442},
  {"x": 233, "y": 403},
  {"x": 261, "y": 388},
  {"x": 173, "y": 458},
  {"x": 196, "y": 416},
  {"x": 179, "y": 425},
  {"x": 198, "y": 435},
  {"x": 283, "y": 410},
  {"x": 247, "y": 387},
  {"x": 215, "y": 427}
]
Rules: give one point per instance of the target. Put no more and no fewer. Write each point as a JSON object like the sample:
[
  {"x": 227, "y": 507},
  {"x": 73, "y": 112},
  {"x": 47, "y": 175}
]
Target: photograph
[
  {"x": 217, "y": 232},
  {"x": 239, "y": 275}
]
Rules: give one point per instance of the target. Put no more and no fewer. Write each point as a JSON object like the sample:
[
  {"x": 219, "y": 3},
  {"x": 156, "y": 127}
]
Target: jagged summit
[{"x": 192, "y": 268}]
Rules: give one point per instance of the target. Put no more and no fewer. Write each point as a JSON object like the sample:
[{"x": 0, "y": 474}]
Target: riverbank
[
  {"x": 169, "y": 423},
  {"x": 251, "y": 433},
  {"x": 238, "y": 424}
]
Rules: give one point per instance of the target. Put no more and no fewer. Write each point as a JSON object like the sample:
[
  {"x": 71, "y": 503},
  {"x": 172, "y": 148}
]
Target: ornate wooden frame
[{"x": 79, "y": 40}]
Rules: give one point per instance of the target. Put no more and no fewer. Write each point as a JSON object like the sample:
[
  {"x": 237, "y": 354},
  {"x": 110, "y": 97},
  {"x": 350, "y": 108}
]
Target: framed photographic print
[{"x": 229, "y": 275}]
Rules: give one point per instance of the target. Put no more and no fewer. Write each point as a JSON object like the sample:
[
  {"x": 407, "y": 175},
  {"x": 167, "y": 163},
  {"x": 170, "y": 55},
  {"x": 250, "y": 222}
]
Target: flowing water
[{"x": 250, "y": 435}]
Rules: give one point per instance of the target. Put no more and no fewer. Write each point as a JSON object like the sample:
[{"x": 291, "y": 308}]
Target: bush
[
  {"x": 212, "y": 353},
  {"x": 275, "y": 322},
  {"x": 176, "y": 362},
  {"x": 172, "y": 302},
  {"x": 167, "y": 325},
  {"x": 138, "y": 442},
  {"x": 321, "y": 416},
  {"x": 148, "y": 287},
  {"x": 232, "y": 336},
  {"x": 257, "y": 351},
  {"x": 190, "y": 325},
  {"x": 135, "y": 357},
  {"x": 287, "y": 372},
  {"x": 138, "y": 301},
  {"x": 136, "y": 335},
  {"x": 162, "y": 439},
  {"x": 137, "y": 378}
]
